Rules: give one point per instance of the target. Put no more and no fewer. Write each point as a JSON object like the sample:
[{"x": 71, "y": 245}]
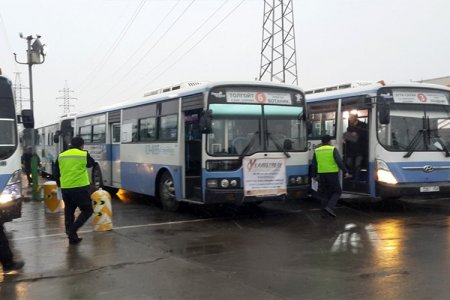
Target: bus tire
[
  {"x": 166, "y": 193},
  {"x": 97, "y": 179}
]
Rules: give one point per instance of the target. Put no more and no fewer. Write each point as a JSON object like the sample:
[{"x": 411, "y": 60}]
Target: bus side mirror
[
  {"x": 384, "y": 109},
  {"x": 206, "y": 121},
  {"x": 27, "y": 118},
  {"x": 56, "y": 137}
]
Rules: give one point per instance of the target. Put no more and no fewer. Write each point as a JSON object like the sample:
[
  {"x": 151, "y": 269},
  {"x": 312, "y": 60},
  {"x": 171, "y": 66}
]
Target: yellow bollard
[
  {"x": 52, "y": 203},
  {"x": 101, "y": 202}
]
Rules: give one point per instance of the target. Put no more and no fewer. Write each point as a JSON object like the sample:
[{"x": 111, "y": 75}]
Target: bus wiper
[
  {"x": 279, "y": 147},
  {"x": 442, "y": 143},
  {"x": 414, "y": 142},
  {"x": 248, "y": 146}
]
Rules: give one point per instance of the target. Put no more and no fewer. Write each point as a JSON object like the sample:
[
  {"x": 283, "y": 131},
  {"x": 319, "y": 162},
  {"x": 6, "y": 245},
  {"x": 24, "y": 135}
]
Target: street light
[{"x": 35, "y": 56}]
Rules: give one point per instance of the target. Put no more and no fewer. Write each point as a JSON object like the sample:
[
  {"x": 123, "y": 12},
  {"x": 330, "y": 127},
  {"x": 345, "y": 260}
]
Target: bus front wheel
[
  {"x": 97, "y": 179},
  {"x": 167, "y": 193}
]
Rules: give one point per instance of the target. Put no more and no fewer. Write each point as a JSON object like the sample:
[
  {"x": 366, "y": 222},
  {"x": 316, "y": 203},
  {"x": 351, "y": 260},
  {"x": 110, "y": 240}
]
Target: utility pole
[
  {"x": 278, "y": 54},
  {"x": 66, "y": 96},
  {"x": 35, "y": 56}
]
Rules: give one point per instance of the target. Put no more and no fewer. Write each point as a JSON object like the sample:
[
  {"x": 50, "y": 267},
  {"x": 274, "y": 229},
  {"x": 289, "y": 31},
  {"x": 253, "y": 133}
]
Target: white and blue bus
[
  {"x": 10, "y": 169},
  {"x": 226, "y": 142},
  {"x": 52, "y": 139},
  {"x": 408, "y": 135}
]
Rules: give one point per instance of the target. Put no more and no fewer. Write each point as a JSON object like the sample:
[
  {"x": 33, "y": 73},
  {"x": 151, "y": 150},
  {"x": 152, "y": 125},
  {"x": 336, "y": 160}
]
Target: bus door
[
  {"x": 193, "y": 155},
  {"x": 355, "y": 148},
  {"x": 115, "y": 153}
]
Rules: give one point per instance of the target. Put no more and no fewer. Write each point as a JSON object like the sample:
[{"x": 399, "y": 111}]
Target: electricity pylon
[
  {"x": 278, "y": 54},
  {"x": 66, "y": 97}
]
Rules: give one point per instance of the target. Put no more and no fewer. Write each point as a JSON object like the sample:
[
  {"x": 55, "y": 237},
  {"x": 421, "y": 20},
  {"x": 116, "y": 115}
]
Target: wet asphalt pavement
[{"x": 275, "y": 251}]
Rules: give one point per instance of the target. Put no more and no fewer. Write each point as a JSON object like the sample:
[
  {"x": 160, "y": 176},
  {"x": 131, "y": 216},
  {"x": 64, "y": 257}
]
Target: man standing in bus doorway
[
  {"x": 325, "y": 167},
  {"x": 72, "y": 176},
  {"x": 356, "y": 145}
]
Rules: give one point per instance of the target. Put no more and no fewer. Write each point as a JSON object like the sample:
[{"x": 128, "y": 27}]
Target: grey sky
[{"x": 337, "y": 41}]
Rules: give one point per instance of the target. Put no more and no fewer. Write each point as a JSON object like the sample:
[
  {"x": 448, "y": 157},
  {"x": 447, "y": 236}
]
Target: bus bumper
[
  {"x": 412, "y": 189},
  {"x": 236, "y": 196}
]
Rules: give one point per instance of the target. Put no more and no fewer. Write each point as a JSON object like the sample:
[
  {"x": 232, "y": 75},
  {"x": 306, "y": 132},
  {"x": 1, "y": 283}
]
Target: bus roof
[
  {"x": 370, "y": 90},
  {"x": 204, "y": 87}
]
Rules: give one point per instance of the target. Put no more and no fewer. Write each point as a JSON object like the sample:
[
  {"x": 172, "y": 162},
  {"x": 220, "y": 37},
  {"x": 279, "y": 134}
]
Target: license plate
[{"x": 425, "y": 189}]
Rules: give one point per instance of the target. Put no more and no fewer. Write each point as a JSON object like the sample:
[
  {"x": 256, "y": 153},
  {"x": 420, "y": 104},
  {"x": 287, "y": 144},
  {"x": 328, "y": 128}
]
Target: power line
[
  {"x": 151, "y": 48},
  {"x": 5, "y": 32},
  {"x": 195, "y": 45},
  {"x": 102, "y": 63},
  {"x": 141, "y": 46},
  {"x": 191, "y": 48}
]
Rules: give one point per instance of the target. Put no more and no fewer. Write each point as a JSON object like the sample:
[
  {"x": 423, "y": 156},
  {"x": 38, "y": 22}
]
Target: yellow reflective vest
[
  {"x": 72, "y": 166},
  {"x": 325, "y": 159}
]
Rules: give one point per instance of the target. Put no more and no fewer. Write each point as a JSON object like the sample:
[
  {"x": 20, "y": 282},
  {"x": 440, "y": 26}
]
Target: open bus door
[
  {"x": 355, "y": 148},
  {"x": 193, "y": 155}
]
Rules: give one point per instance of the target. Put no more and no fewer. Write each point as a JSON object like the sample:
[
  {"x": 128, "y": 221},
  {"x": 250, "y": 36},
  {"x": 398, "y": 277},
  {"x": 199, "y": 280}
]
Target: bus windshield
[
  {"x": 244, "y": 129},
  {"x": 416, "y": 127}
]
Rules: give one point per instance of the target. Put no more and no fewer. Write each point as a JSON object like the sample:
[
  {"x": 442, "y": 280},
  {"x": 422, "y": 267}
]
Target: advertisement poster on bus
[{"x": 264, "y": 177}]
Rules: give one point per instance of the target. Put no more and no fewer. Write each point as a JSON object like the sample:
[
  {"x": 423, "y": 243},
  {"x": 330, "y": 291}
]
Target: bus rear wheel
[{"x": 167, "y": 193}]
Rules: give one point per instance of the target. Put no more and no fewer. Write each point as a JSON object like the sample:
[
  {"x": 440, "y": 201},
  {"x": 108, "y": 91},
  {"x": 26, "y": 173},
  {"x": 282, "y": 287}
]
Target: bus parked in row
[
  {"x": 52, "y": 139},
  {"x": 10, "y": 169},
  {"x": 226, "y": 142},
  {"x": 408, "y": 135}
]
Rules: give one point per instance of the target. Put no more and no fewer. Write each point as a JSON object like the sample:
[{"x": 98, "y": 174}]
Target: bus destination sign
[
  {"x": 420, "y": 97},
  {"x": 259, "y": 97}
]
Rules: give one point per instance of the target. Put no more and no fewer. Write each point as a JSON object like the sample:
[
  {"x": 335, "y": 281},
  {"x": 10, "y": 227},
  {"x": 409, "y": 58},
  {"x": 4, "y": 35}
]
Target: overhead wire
[
  {"x": 96, "y": 71},
  {"x": 198, "y": 42},
  {"x": 141, "y": 46},
  {"x": 8, "y": 43},
  {"x": 190, "y": 49},
  {"x": 151, "y": 48}
]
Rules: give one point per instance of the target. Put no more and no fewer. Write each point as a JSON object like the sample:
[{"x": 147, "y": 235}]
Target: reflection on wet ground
[{"x": 397, "y": 250}]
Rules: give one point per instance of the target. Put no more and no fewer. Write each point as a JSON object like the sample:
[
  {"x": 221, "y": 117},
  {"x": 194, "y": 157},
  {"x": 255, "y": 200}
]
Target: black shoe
[
  {"x": 74, "y": 241},
  {"x": 14, "y": 266},
  {"x": 330, "y": 212}
]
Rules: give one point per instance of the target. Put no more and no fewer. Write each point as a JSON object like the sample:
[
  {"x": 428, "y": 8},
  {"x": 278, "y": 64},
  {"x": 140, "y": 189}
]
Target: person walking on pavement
[
  {"x": 72, "y": 176},
  {"x": 6, "y": 255},
  {"x": 326, "y": 163}
]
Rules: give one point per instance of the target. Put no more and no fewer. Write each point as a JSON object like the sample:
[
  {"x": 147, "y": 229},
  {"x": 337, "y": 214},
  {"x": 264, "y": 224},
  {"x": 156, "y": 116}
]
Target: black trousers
[
  {"x": 73, "y": 198},
  {"x": 6, "y": 256},
  {"x": 330, "y": 188}
]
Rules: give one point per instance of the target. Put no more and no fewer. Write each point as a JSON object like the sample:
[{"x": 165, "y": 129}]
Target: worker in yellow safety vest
[
  {"x": 325, "y": 169},
  {"x": 72, "y": 176}
]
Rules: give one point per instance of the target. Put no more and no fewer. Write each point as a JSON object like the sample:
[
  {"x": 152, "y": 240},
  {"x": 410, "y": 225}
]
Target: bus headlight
[
  {"x": 12, "y": 190},
  {"x": 384, "y": 174},
  {"x": 224, "y": 183}
]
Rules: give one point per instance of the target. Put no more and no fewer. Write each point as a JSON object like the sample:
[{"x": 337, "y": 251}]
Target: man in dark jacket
[
  {"x": 326, "y": 163},
  {"x": 356, "y": 145},
  {"x": 72, "y": 176}
]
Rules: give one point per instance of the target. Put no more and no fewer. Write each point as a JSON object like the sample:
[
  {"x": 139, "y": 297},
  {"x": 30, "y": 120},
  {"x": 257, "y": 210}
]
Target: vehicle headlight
[
  {"x": 384, "y": 174},
  {"x": 224, "y": 183}
]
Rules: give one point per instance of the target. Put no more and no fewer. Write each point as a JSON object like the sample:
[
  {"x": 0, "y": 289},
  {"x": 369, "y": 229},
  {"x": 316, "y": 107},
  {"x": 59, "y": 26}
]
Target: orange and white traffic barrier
[
  {"x": 101, "y": 202},
  {"x": 51, "y": 199}
]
